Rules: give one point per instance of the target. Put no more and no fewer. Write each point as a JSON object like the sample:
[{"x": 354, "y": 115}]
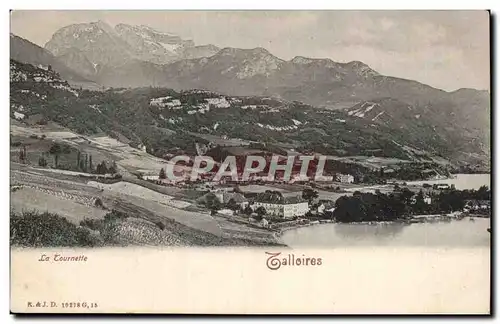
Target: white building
[
  {"x": 227, "y": 212},
  {"x": 287, "y": 207},
  {"x": 344, "y": 178},
  {"x": 326, "y": 206}
]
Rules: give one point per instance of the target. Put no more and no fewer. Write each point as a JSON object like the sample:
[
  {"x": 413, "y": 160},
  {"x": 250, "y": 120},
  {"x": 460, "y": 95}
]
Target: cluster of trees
[
  {"x": 83, "y": 162},
  {"x": 401, "y": 204},
  {"x": 309, "y": 195},
  {"x": 42, "y": 161},
  {"x": 33, "y": 229},
  {"x": 374, "y": 207},
  {"x": 483, "y": 193},
  {"x": 103, "y": 168},
  {"x": 56, "y": 150}
]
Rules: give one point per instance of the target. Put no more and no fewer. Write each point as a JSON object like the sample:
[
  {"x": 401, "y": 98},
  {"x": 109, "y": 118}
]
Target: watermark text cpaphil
[{"x": 247, "y": 168}]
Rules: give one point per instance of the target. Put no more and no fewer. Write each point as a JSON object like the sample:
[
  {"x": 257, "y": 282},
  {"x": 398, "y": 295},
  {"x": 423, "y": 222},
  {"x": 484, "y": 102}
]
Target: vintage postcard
[{"x": 250, "y": 162}]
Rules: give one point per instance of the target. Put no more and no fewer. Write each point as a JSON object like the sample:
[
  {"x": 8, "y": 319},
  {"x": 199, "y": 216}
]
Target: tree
[
  {"x": 231, "y": 204},
  {"x": 162, "y": 174},
  {"x": 248, "y": 210},
  {"x": 102, "y": 168},
  {"x": 112, "y": 168},
  {"x": 420, "y": 207},
  {"x": 55, "y": 150},
  {"x": 261, "y": 211},
  {"x": 160, "y": 225},
  {"x": 42, "y": 161},
  {"x": 22, "y": 157},
  {"x": 90, "y": 163},
  {"x": 406, "y": 195},
  {"x": 212, "y": 203},
  {"x": 483, "y": 193},
  {"x": 309, "y": 194},
  {"x": 98, "y": 203},
  {"x": 349, "y": 209},
  {"x": 86, "y": 162},
  {"x": 78, "y": 158}
]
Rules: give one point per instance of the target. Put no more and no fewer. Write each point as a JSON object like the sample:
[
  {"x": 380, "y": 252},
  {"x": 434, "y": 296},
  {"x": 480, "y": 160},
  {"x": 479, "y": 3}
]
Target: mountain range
[{"x": 98, "y": 55}]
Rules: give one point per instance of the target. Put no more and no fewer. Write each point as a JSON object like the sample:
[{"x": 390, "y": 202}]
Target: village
[
  {"x": 280, "y": 204},
  {"x": 83, "y": 179}
]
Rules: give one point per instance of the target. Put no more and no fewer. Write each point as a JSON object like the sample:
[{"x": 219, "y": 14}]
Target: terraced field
[{"x": 73, "y": 197}]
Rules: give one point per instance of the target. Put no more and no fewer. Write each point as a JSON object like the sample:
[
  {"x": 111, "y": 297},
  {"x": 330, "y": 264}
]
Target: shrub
[
  {"x": 98, "y": 203},
  {"x": 114, "y": 215},
  {"x": 160, "y": 225},
  {"x": 93, "y": 224},
  {"x": 47, "y": 230}
]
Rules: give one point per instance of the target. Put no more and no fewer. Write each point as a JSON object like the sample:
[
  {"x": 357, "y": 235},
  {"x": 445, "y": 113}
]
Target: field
[
  {"x": 102, "y": 148},
  {"x": 57, "y": 202},
  {"x": 72, "y": 197}
]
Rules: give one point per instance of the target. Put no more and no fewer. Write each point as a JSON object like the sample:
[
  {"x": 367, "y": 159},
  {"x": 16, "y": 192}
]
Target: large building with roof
[{"x": 277, "y": 205}]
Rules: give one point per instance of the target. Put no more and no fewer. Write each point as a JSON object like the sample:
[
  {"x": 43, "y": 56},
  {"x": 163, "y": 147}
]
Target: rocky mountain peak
[
  {"x": 361, "y": 69},
  {"x": 104, "y": 45},
  {"x": 301, "y": 60}
]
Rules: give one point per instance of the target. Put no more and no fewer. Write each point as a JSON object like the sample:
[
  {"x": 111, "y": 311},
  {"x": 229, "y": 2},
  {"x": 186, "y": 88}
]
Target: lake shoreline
[
  {"x": 425, "y": 218},
  {"x": 467, "y": 231},
  {"x": 461, "y": 181}
]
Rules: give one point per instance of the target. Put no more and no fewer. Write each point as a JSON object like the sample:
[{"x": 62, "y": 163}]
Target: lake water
[
  {"x": 462, "y": 181},
  {"x": 457, "y": 233}
]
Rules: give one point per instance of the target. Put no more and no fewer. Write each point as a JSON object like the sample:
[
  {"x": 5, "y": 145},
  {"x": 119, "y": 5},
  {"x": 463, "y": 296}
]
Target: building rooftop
[
  {"x": 276, "y": 197},
  {"x": 237, "y": 197}
]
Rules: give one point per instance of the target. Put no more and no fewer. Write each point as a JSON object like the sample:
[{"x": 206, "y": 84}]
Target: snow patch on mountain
[
  {"x": 170, "y": 47},
  {"x": 378, "y": 115},
  {"x": 363, "y": 110}
]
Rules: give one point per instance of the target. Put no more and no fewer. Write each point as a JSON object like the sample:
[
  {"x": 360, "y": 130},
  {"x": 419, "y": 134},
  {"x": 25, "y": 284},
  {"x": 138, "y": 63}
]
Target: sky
[{"x": 445, "y": 49}]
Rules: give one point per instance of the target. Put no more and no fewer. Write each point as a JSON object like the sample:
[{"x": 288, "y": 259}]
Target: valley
[{"x": 98, "y": 113}]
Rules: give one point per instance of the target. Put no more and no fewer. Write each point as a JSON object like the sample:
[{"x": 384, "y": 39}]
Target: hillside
[
  {"x": 24, "y": 51},
  {"x": 452, "y": 124},
  {"x": 105, "y": 46}
]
